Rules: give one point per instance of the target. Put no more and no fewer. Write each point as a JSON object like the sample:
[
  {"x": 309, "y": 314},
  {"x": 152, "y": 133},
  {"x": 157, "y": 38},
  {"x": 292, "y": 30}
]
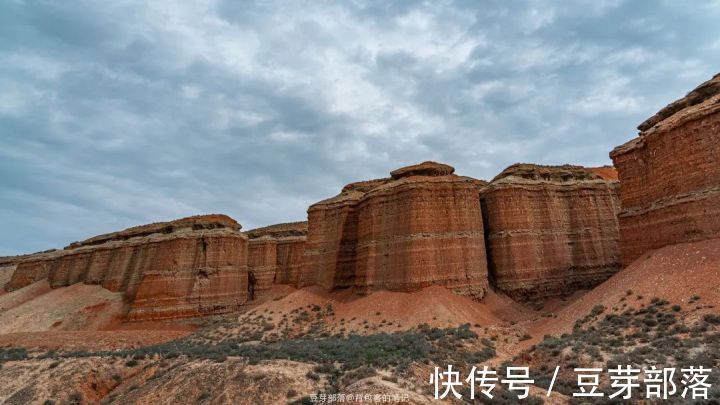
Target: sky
[{"x": 120, "y": 113}]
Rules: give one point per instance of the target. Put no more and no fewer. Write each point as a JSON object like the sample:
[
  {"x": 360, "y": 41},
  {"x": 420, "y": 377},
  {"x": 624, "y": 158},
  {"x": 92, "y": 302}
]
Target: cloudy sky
[{"x": 118, "y": 113}]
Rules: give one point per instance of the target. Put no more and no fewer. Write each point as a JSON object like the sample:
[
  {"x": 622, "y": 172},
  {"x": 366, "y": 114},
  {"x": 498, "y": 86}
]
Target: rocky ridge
[{"x": 192, "y": 266}]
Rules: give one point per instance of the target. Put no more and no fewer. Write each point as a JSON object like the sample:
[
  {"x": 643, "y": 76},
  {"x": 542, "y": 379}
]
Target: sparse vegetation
[
  {"x": 649, "y": 335},
  {"x": 712, "y": 319},
  {"x": 12, "y": 354},
  {"x": 75, "y": 398}
]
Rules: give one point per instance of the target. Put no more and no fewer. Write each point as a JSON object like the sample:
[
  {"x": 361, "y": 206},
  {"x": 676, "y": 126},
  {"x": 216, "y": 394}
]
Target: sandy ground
[
  {"x": 92, "y": 379},
  {"x": 78, "y": 317},
  {"x": 436, "y": 306},
  {"x": 89, "y": 340}
]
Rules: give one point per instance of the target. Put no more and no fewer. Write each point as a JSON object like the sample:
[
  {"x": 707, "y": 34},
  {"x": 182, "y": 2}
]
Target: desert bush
[
  {"x": 13, "y": 354},
  {"x": 76, "y": 397},
  {"x": 712, "y": 319}
]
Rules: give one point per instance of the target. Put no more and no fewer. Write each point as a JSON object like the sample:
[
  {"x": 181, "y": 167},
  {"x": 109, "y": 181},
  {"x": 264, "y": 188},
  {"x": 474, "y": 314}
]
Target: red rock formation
[
  {"x": 606, "y": 172},
  {"x": 290, "y": 256},
  {"x": 289, "y": 241},
  {"x": 670, "y": 175},
  {"x": 278, "y": 231},
  {"x": 262, "y": 264},
  {"x": 192, "y": 266},
  {"x": 9, "y": 263},
  {"x": 332, "y": 238},
  {"x": 421, "y": 227},
  {"x": 550, "y": 229}
]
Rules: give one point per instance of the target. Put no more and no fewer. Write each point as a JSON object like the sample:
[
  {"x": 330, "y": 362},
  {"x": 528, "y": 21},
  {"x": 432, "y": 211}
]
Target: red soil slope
[
  {"x": 675, "y": 273},
  {"x": 78, "y": 307},
  {"x": 436, "y": 306}
]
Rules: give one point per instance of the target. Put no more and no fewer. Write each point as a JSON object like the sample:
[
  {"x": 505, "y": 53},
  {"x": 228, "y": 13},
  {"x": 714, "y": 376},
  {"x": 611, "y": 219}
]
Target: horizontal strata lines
[
  {"x": 554, "y": 285},
  {"x": 696, "y": 195},
  {"x": 424, "y": 235},
  {"x": 586, "y": 231},
  {"x": 568, "y": 272}
]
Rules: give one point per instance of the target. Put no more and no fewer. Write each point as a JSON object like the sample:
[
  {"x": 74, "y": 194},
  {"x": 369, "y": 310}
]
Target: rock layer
[
  {"x": 550, "y": 229},
  {"x": 262, "y": 264},
  {"x": 192, "y": 266},
  {"x": 277, "y": 251},
  {"x": 670, "y": 175},
  {"x": 290, "y": 256},
  {"x": 332, "y": 238},
  {"x": 6, "y": 273},
  {"x": 421, "y": 227}
]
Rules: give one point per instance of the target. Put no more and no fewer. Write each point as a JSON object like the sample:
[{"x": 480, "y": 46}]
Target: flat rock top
[
  {"x": 530, "y": 173},
  {"x": 422, "y": 173},
  {"x": 279, "y": 230},
  {"x": 198, "y": 222},
  {"x": 13, "y": 260},
  {"x": 423, "y": 169},
  {"x": 700, "y": 94}
]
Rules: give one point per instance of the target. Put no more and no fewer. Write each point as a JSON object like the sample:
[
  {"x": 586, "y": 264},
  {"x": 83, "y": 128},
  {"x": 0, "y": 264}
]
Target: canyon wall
[
  {"x": 192, "y": 266},
  {"x": 329, "y": 259},
  {"x": 670, "y": 175},
  {"x": 550, "y": 230},
  {"x": 276, "y": 252},
  {"x": 262, "y": 263},
  {"x": 8, "y": 264},
  {"x": 420, "y": 227}
]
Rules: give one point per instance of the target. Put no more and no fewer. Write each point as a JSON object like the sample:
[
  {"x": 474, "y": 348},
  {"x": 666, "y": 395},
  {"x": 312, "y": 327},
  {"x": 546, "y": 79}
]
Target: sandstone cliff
[
  {"x": 9, "y": 263},
  {"x": 276, "y": 252},
  {"x": 550, "y": 229},
  {"x": 262, "y": 264},
  {"x": 670, "y": 175},
  {"x": 421, "y": 227},
  {"x": 332, "y": 238},
  {"x": 192, "y": 266}
]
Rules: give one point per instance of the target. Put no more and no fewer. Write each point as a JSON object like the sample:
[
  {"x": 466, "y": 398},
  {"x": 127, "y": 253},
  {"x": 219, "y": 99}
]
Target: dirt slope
[
  {"x": 675, "y": 273},
  {"x": 77, "y": 307},
  {"x": 23, "y": 295},
  {"x": 436, "y": 306}
]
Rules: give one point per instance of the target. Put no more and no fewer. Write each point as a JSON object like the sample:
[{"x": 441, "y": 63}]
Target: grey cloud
[{"x": 115, "y": 114}]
